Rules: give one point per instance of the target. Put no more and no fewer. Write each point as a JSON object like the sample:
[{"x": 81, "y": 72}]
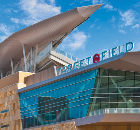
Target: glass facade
[{"x": 78, "y": 96}]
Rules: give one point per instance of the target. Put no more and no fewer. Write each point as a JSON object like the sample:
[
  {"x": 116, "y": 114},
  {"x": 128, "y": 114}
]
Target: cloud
[
  {"x": 73, "y": 3},
  {"x": 109, "y": 7},
  {"x": 15, "y": 11},
  {"x": 96, "y": 20},
  {"x": 92, "y": 25},
  {"x": 15, "y": 20},
  {"x": 6, "y": 31},
  {"x": 2, "y": 38},
  {"x": 137, "y": 4},
  {"x": 97, "y": 1},
  {"x": 99, "y": 27},
  {"x": 8, "y": 11},
  {"x": 36, "y": 10},
  {"x": 136, "y": 26},
  {"x": 76, "y": 40},
  {"x": 128, "y": 17},
  {"x": 137, "y": 47},
  {"x": 113, "y": 19},
  {"x": 122, "y": 31}
]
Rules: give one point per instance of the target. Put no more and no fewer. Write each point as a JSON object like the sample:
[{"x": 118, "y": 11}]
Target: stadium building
[{"x": 45, "y": 88}]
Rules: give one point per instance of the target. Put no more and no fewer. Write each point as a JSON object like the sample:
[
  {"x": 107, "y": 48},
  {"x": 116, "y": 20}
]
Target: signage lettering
[{"x": 96, "y": 58}]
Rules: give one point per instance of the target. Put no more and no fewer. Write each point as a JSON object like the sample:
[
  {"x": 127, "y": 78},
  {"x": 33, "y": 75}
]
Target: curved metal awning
[{"x": 41, "y": 33}]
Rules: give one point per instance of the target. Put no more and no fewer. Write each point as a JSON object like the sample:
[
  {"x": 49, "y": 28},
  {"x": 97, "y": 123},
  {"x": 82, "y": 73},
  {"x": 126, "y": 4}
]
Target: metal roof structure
[{"x": 53, "y": 29}]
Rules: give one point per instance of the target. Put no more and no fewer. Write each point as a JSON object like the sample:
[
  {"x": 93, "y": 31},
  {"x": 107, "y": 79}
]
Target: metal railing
[
  {"x": 44, "y": 53},
  {"x": 114, "y": 110},
  {"x": 47, "y": 50},
  {"x": 66, "y": 54}
]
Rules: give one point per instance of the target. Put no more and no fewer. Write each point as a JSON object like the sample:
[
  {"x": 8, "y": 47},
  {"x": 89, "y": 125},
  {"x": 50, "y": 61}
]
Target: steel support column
[
  {"x": 55, "y": 70},
  {"x": 35, "y": 58},
  {"x": 31, "y": 62},
  {"x": 27, "y": 59},
  {"x": 1, "y": 73},
  {"x": 12, "y": 67},
  {"x": 23, "y": 46}
]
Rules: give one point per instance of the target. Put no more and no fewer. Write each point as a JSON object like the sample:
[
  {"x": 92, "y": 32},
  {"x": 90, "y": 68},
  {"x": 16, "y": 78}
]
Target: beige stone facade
[
  {"x": 9, "y": 101},
  {"x": 62, "y": 126}
]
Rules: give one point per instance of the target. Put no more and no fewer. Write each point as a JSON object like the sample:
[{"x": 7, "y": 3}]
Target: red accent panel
[{"x": 96, "y": 58}]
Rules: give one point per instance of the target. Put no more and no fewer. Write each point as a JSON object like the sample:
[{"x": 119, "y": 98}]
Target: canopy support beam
[
  {"x": 1, "y": 73},
  {"x": 35, "y": 59},
  {"x": 12, "y": 67}
]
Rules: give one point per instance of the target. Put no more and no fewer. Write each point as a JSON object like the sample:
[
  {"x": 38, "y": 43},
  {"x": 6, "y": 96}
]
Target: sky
[{"x": 116, "y": 23}]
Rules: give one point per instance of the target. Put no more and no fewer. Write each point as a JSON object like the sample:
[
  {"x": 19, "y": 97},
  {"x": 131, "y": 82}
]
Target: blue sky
[{"x": 115, "y": 23}]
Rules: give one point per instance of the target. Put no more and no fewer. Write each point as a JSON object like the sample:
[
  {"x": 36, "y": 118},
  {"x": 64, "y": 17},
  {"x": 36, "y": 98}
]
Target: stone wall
[{"x": 9, "y": 101}]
